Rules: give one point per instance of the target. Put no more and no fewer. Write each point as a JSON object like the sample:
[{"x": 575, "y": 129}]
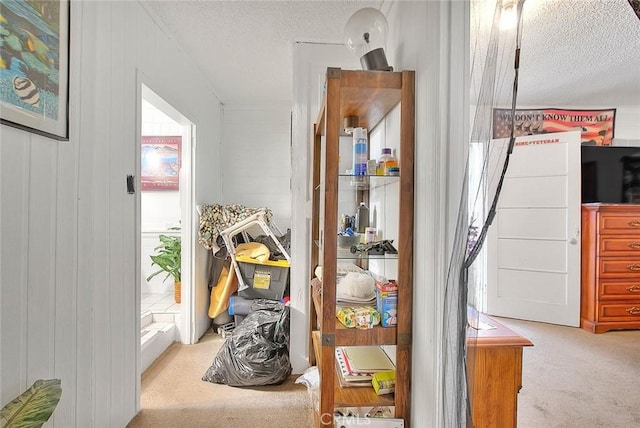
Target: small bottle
[
  {"x": 360, "y": 152},
  {"x": 362, "y": 218},
  {"x": 386, "y": 161}
]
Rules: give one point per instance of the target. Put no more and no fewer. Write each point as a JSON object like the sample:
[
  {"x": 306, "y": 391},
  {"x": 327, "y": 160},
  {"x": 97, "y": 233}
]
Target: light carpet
[
  {"x": 173, "y": 395},
  {"x": 573, "y": 378}
]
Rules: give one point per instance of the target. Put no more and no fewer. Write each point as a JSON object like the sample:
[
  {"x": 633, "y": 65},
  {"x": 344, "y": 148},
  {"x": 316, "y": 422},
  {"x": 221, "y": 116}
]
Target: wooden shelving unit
[{"x": 369, "y": 95}]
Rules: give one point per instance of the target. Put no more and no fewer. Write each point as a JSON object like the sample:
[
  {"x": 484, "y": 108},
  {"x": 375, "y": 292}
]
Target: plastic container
[
  {"x": 362, "y": 218},
  {"x": 387, "y": 303},
  {"x": 386, "y": 161},
  {"x": 239, "y": 305},
  {"x": 360, "y": 152},
  {"x": 267, "y": 280},
  {"x": 370, "y": 234},
  {"x": 372, "y": 167},
  {"x": 239, "y": 308}
]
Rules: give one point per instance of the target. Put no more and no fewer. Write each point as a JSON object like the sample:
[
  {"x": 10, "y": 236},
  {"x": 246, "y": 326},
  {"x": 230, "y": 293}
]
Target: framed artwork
[
  {"x": 161, "y": 161},
  {"x": 34, "y": 66},
  {"x": 596, "y": 126}
]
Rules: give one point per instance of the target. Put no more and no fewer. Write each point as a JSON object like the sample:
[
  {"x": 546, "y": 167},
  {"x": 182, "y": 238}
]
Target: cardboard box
[{"x": 387, "y": 303}]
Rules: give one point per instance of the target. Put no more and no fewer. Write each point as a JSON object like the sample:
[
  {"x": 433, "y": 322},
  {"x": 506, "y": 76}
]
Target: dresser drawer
[
  {"x": 610, "y": 266},
  {"x": 609, "y": 289},
  {"x": 612, "y": 224},
  {"x": 619, "y": 311},
  {"x": 619, "y": 268},
  {"x": 612, "y": 245}
]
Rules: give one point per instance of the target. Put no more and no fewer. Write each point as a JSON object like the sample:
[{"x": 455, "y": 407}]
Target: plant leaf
[
  {"x": 33, "y": 407},
  {"x": 167, "y": 257}
]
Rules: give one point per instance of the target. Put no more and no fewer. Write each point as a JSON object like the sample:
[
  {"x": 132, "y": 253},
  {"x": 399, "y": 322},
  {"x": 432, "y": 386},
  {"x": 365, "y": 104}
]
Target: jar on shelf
[{"x": 386, "y": 162}]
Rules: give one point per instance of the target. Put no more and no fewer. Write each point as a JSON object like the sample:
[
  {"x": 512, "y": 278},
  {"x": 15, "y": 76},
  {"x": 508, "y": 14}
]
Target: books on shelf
[
  {"x": 356, "y": 365},
  {"x": 368, "y": 358}
]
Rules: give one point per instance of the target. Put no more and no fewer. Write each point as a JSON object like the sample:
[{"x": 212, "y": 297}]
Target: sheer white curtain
[{"x": 495, "y": 44}]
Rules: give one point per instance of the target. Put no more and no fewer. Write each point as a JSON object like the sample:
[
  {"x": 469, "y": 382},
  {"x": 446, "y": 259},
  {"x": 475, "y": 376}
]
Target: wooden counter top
[
  {"x": 494, "y": 366},
  {"x": 501, "y": 335}
]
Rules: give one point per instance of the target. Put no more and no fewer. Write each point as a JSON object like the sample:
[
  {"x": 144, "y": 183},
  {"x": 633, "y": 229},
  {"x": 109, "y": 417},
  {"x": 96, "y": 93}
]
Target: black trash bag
[{"x": 257, "y": 352}]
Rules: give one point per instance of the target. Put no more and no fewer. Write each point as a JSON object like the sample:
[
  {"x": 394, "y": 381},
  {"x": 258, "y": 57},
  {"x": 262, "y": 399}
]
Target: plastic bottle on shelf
[
  {"x": 362, "y": 218},
  {"x": 386, "y": 161},
  {"x": 360, "y": 152}
]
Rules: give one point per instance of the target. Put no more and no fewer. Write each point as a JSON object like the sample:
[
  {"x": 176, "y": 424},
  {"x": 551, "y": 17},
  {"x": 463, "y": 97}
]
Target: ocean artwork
[{"x": 34, "y": 64}]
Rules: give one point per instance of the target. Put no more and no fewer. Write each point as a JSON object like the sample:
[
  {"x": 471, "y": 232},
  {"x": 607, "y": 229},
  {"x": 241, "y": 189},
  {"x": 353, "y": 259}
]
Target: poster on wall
[
  {"x": 596, "y": 126},
  {"x": 161, "y": 160},
  {"x": 34, "y": 66}
]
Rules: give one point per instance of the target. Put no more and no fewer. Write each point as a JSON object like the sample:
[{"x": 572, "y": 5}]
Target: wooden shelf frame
[{"x": 370, "y": 95}]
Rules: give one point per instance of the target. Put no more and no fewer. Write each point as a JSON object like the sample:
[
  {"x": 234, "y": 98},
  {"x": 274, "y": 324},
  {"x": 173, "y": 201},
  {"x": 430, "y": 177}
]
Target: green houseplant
[
  {"x": 168, "y": 258},
  {"x": 34, "y": 406}
]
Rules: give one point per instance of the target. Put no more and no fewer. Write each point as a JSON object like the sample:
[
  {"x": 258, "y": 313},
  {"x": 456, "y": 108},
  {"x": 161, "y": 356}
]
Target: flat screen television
[{"x": 611, "y": 174}]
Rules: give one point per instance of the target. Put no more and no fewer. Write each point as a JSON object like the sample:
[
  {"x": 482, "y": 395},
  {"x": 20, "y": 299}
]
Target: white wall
[
  {"x": 432, "y": 39},
  {"x": 627, "y": 126},
  {"x": 310, "y": 62},
  {"x": 68, "y": 256},
  {"x": 256, "y": 159}
]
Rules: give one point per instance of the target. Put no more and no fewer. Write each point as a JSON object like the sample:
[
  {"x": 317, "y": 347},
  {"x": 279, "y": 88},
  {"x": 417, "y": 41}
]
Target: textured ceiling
[
  {"x": 580, "y": 52},
  {"x": 574, "y": 52},
  {"x": 246, "y": 47}
]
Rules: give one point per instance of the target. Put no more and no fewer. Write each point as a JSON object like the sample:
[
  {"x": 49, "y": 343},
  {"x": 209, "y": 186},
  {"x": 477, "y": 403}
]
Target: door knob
[{"x": 574, "y": 239}]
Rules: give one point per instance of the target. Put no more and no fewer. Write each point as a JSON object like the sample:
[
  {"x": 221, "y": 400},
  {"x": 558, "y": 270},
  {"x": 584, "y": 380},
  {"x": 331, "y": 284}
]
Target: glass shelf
[
  {"x": 375, "y": 177},
  {"x": 365, "y": 182},
  {"x": 345, "y": 253}
]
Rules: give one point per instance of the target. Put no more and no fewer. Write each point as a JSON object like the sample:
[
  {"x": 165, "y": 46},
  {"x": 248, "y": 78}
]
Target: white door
[{"x": 533, "y": 249}]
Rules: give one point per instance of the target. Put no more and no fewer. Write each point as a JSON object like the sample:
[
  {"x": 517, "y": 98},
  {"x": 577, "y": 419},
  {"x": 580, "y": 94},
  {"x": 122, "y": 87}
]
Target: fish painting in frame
[{"x": 34, "y": 66}]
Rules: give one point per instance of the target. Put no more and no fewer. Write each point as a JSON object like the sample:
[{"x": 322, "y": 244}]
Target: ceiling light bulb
[
  {"x": 509, "y": 14},
  {"x": 365, "y": 34}
]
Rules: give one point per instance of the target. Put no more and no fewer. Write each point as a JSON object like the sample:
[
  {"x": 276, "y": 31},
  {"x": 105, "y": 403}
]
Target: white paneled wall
[
  {"x": 256, "y": 159},
  {"x": 432, "y": 38},
  {"x": 309, "y": 67},
  {"x": 160, "y": 210},
  {"x": 68, "y": 257}
]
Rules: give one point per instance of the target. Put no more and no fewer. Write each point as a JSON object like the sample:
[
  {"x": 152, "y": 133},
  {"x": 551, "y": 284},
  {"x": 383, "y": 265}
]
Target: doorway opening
[{"x": 165, "y": 211}]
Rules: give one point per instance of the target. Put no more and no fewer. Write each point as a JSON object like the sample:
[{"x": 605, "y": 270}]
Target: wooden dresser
[
  {"x": 610, "y": 268},
  {"x": 494, "y": 367}
]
